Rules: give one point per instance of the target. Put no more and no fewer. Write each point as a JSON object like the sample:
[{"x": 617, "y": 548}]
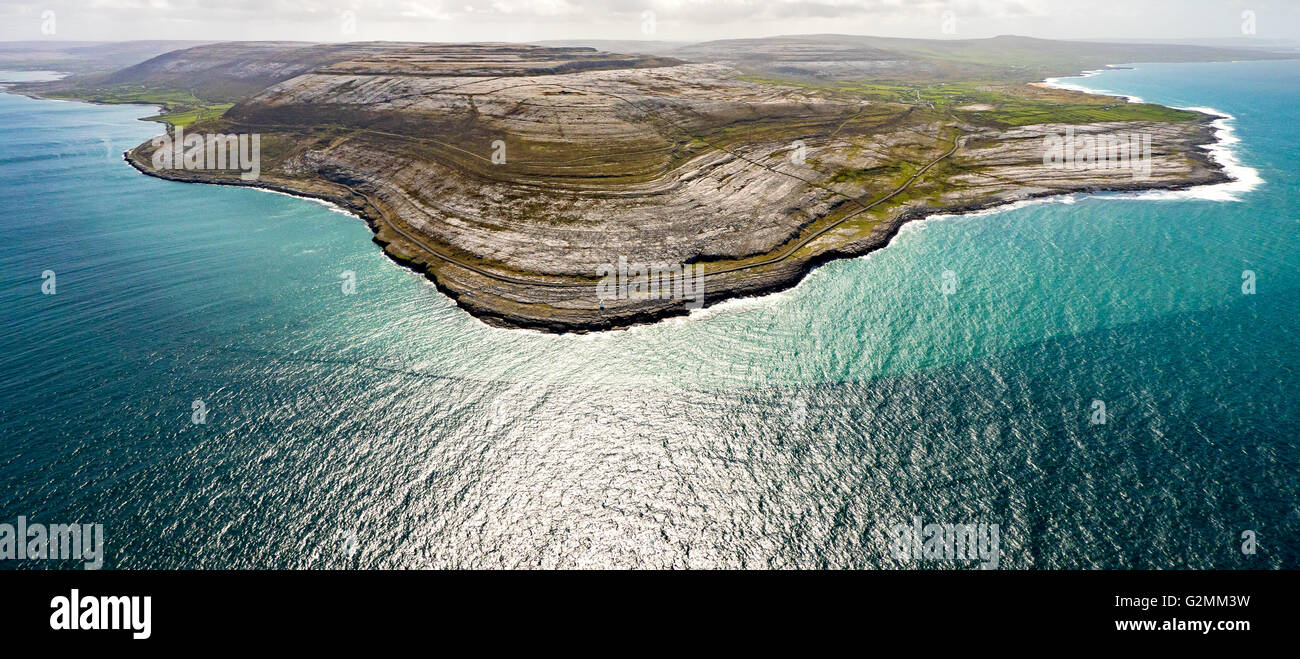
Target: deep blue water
[{"x": 790, "y": 430}]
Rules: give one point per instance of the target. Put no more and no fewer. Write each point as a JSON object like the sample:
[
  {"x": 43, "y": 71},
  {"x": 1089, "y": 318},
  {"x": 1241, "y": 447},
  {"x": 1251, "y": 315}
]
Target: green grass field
[
  {"x": 1009, "y": 104},
  {"x": 179, "y": 107}
]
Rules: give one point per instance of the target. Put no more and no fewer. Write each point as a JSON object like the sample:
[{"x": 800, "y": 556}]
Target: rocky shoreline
[
  {"x": 730, "y": 171},
  {"x": 381, "y": 225},
  {"x": 398, "y": 247}
]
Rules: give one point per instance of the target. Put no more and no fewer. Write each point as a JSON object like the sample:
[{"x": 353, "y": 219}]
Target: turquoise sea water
[{"x": 390, "y": 429}]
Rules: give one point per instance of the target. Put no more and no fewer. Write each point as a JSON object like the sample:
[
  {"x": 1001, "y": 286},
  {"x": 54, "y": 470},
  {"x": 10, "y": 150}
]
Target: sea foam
[{"x": 1244, "y": 178}]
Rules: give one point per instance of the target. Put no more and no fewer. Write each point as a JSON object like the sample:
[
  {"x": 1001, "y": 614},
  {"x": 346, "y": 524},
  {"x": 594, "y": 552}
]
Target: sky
[{"x": 669, "y": 20}]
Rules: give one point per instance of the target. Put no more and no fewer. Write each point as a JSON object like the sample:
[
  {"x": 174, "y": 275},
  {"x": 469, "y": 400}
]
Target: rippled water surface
[{"x": 390, "y": 429}]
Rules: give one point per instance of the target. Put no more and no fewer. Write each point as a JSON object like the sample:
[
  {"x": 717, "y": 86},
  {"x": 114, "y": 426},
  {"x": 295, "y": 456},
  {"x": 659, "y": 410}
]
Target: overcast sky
[{"x": 674, "y": 20}]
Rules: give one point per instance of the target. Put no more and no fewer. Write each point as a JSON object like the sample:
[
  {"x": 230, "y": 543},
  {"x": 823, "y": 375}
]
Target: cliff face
[{"x": 519, "y": 177}]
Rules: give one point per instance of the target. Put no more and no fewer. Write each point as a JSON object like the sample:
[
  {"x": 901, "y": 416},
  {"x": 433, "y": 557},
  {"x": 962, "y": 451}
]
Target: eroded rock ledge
[{"x": 756, "y": 182}]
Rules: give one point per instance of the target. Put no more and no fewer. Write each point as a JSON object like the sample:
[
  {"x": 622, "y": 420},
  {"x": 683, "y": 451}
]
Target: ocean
[{"x": 389, "y": 429}]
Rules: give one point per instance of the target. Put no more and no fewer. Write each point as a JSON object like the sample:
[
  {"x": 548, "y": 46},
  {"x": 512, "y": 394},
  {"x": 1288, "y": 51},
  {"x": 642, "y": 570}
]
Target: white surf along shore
[{"x": 1244, "y": 179}]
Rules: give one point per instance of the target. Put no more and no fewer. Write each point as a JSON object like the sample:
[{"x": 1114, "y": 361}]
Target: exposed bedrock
[{"x": 516, "y": 192}]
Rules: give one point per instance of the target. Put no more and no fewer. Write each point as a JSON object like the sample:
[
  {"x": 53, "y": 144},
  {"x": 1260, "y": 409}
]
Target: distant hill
[
  {"x": 83, "y": 57},
  {"x": 227, "y": 72},
  {"x": 232, "y": 70},
  {"x": 1003, "y": 58}
]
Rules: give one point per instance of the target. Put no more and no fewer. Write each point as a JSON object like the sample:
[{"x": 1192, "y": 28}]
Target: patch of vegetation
[
  {"x": 997, "y": 103},
  {"x": 179, "y": 107},
  {"x": 863, "y": 176},
  {"x": 192, "y": 115}
]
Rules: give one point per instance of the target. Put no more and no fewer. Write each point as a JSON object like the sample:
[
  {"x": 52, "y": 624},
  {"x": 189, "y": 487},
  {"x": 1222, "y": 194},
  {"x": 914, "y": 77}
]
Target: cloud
[
  {"x": 705, "y": 11},
  {"x": 524, "y": 20}
]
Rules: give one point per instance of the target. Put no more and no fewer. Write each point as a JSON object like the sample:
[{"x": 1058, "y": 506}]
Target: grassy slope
[
  {"x": 179, "y": 107},
  {"x": 1011, "y": 104}
]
